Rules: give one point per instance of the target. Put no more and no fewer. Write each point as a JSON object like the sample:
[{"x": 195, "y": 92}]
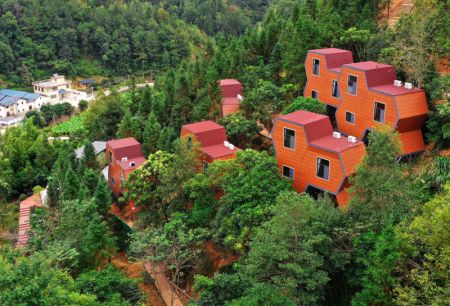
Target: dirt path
[
  {"x": 135, "y": 270},
  {"x": 397, "y": 8}
]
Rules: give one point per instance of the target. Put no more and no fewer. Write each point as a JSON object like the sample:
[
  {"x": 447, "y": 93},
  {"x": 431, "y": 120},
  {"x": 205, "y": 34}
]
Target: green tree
[
  {"x": 102, "y": 196},
  {"x": 89, "y": 156},
  {"x": 240, "y": 130},
  {"x": 294, "y": 251},
  {"x": 152, "y": 130},
  {"x": 307, "y": 104}
]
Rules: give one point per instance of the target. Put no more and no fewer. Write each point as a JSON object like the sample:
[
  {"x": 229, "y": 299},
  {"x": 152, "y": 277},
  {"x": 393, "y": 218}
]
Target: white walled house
[
  {"x": 58, "y": 90},
  {"x": 16, "y": 103}
]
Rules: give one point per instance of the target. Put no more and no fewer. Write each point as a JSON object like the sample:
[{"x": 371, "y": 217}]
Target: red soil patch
[
  {"x": 135, "y": 270},
  {"x": 219, "y": 258}
]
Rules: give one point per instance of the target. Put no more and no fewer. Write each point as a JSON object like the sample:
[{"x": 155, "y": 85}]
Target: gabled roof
[
  {"x": 335, "y": 57},
  {"x": 319, "y": 131},
  {"x": 99, "y": 146},
  {"x": 128, "y": 164}
]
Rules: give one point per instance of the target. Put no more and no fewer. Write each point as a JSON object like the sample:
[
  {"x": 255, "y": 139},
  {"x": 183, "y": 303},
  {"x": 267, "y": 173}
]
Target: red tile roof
[
  {"x": 219, "y": 150},
  {"x": 126, "y": 165},
  {"x": 122, "y": 143},
  {"x": 229, "y": 82},
  {"x": 319, "y": 131},
  {"x": 211, "y": 137},
  {"x": 230, "y": 88},
  {"x": 335, "y": 57},
  {"x": 126, "y": 147},
  {"x": 395, "y": 90}
]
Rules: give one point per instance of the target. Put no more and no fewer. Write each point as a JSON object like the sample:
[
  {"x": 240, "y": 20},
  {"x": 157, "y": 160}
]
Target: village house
[
  {"x": 17, "y": 103},
  {"x": 313, "y": 156},
  {"x": 232, "y": 95},
  {"x": 58, "y": 89},
  {"x": 123, "y": 157},
  {"x": 365, "y": 95},
  {"x": 212, "y": 140}
]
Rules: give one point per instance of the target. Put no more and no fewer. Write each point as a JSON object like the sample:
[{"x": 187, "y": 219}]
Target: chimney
[
  {"x": 408, "y": 85},
  {"x": 352, "y": 139},
  {"x": 336, "y": 135},
  {"x": 124, "y": 159},
  {"x": 398, "y": 83}
]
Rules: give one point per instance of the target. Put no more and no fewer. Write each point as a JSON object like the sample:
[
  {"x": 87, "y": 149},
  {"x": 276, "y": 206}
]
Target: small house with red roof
[
  {"x": 313, "y": 156},
  {"x": 123, "y": 157},
  {"x": 212, "y": 140},
  {"x": 232, "y": 95},
  {"x": 366, "y": 94}
]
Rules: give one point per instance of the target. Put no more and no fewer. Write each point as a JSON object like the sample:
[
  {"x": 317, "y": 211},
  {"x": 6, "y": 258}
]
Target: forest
[{"x": 389, "y": 246}]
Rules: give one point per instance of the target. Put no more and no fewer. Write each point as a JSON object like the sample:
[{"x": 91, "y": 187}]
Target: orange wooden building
[
  {"x": 123, "y": 156},
  {"x": 313, "y": 156},
  {"x": 366, "y": 94},
  {"x": 232, "y": 95},
  {"x": 212, "y": 139}
]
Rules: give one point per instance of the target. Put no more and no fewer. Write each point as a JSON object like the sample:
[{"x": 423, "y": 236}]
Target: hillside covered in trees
[{"x": 389, "y": 246}]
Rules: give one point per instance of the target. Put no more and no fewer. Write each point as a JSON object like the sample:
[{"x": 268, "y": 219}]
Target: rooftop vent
[
  {"x": 408, "y": 85},
  {"x": 336, "y": 135},
  {"x": 124, "y": 159},
  {"x": 240, "y": 98},
  {"x": 352, "y": 139},
  {"x": 226, "y": 144},
  {"x": 398, "y": 83},
  {"x": 231, "y": 147},
  {"x": 132, "y": 164}
]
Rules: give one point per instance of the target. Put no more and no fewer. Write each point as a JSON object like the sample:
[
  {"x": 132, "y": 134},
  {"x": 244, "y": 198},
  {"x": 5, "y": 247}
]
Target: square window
[
  {"x": 349, "y": 117},
  {"x": 288, "y": 172},
  {"x": 113, "y": 181},
  {"x": 379, "y": 112},
  {"x": 335, "y": 89},
  {"x": 289, "y": 138},
  {"x": 316, "y": 67},
  {"x": 352, "y": 84},
  {"x": 205, "y": 165},
  {"x": 314, "y": 94},
  {"x": 323, "y": 168}
]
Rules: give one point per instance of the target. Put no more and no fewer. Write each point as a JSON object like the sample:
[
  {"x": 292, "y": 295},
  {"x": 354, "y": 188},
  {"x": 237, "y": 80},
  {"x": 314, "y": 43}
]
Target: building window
[
  {"x": 205, "y": 165},
  {"x": 289, "y": 138},
  {"x": 53, "y": 97},
  {"x": 379, "y": 112},
  {"x": 110, "y": 158},
  {"x": 316, "y": 67},
  {"x": 67, "y": 86},
  {"x": 121, "y": 178},
  {"x": 189, "y": 142},
  {"x": 288, "y": 172},
  {"x": 323, "y": 168},
  {"x": 352, "y": 83},
  {"x": 350, "y": 117},
  {"x": 113, "y": 181},
  {"x": 314, "y": 94},
  {"x": 335, "y": 89}
]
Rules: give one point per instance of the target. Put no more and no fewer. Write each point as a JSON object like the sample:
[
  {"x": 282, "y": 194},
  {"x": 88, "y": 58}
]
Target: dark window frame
[
  {"x": 377, "y": 113},
  {"x": 291, "y": 138},
  {"x": 350, "y": 86},
  {"x": 316, "y": 66},
  {"x": 290, "y": 170},
  {"x": 335, "y": 92},
  {"x": 323, "y": 171},
  {"x": 315, "y": 94},
  {"x": 353, "y": 116}
]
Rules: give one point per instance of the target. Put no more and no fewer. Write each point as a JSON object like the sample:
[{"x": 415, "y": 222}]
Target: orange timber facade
[
  {"x": 212, "y": 139},
  {"x": 366, "y": 94},
  {"x": 313, "y": 156},
  {"x": 123, "y": 157}
]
